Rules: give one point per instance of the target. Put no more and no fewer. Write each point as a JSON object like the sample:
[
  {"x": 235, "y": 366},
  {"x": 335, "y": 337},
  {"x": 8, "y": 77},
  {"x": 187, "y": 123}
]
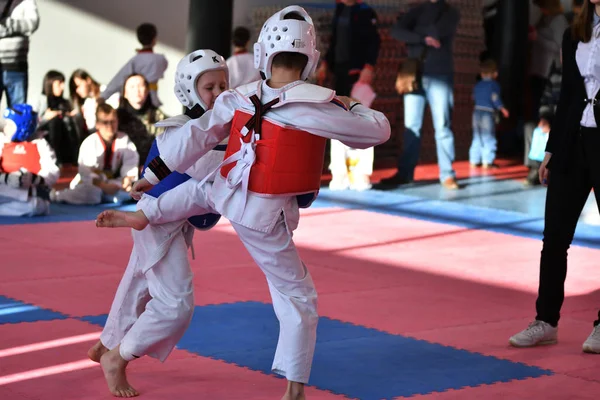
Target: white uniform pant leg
[
  {"x": 129, "y": 302},
  {"x": 184, "y": 201},
  {"x": 366, "y": 157},
  {"x": 338, "y": 154},
  {"x": 294, "y": 297},
  {"x": 14, "y": 208},
  {"x": 82, "y": 194},
  {"x": 168, "y": 313}
]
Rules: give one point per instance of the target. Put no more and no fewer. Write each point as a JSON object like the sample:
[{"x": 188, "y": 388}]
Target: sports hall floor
[{"x": 420, "y": 289}]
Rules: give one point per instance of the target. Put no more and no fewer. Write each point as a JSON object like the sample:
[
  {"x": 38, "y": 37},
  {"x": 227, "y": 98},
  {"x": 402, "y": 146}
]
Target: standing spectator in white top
[
  {"x": 19, "y": 19},
  {"x": 146, "y": 63},
  {"x": 241, "y": 63}
]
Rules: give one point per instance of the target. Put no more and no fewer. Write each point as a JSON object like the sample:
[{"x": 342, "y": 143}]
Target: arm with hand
[
  {"x": 24, "y": 20},
  {"x": 181, "y": 148}
]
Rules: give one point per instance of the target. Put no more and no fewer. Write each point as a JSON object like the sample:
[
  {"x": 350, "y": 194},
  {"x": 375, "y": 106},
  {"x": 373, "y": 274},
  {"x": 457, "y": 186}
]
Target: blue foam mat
[
  {"x": 351, "y": 360},
  {"x": 14, "y": 312}
]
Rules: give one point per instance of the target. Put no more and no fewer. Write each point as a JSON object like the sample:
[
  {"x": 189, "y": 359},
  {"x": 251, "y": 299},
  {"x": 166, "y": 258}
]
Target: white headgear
[
  {"x": 189, "y": 70},
  {"x": 287, "y": 35}
]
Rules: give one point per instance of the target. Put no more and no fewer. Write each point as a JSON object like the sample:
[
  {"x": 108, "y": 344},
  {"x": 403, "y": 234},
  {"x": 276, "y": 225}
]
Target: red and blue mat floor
[{"x": 419, "y": 293}]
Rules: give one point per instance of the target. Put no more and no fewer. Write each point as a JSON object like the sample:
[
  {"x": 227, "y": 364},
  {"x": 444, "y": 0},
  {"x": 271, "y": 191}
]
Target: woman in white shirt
[{"x": 570, "y": 169}]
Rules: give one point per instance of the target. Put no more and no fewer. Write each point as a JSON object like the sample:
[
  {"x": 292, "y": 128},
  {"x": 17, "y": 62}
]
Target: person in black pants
[{"x": 570, "y": 169}]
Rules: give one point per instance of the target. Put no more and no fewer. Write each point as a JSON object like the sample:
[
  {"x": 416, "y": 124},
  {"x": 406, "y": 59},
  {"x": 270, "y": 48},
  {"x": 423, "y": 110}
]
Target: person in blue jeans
[
  {"x": 19, "y": 19},
  {"x": 430, "y": 25},
  {"x": 488, "y": 101}
]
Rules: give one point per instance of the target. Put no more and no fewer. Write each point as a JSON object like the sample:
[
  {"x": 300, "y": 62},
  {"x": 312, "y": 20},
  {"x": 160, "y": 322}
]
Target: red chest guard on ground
[
  {"x": 288, "y": 161},
  {"x": 21, "y": 155}
]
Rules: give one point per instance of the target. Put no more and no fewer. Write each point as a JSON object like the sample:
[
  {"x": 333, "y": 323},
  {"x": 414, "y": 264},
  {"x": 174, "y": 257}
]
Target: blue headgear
[{"x": 26, "y": 120}]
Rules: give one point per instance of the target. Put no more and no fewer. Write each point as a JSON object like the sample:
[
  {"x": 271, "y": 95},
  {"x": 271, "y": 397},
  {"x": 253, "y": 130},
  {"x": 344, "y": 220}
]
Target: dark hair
[
  {"x": 49, "y": 79},
  {"x": 582, "y": 25},
  {"x": 289, "y": 60},
  {"x": 79, "y": 74},
  {"x": 105, "y": 109},
  {"x": 488, "y": 67},
  {"x": 552, "y": 7},
  {"x": 240, "y": 37},
  {"x": 146, "y": 33},
  {"x": 578, "y": 3}
]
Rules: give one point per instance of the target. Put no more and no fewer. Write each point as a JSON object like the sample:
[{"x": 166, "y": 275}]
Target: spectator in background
[
  {"x": 548, "y": 104},
  {"x": 241, "y": 63},
  {"x": 490, "y": 12},
  {"x": 146, "y": 62},
  {"x": 576, "y": 7},
  {"x": 27, "y": 165},
  {"x": 546, "y": 40},
  {"x": 85, "y": 94},
  {"x": 108, "y": 165},
  {"x": 137, "y": 115},
  {"x": 351, "y": 57},
  {"x": 19, "y": 19},
  {"x": 64, "y": 134},
  {"x": 432, "y": 26}
]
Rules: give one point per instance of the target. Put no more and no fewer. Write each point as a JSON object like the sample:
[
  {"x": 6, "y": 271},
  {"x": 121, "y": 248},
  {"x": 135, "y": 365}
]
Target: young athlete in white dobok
[
  {"x": 278, "y": 130},
  {"x": 27, "y": 165},
  {"x": 154, "y": 303}
]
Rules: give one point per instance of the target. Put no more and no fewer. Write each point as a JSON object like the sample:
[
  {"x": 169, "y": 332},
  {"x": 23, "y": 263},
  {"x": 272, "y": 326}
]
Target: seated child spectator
[
  {"x": 108, "y": 165},
  {"x": 27, "y": 165}
]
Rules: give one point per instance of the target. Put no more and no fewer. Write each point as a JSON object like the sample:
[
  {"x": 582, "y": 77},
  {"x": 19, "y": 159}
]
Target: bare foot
[
  {"x": 97, "y": 351},
  {"x": 113, "y": 367},
  {"x": 119, "y": 219},
  {"x": 294, "y": 391}
]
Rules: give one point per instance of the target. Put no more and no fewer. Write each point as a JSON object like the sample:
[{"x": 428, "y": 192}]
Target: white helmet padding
[
  {"x": 287, "y": 35},
  {"x": 189, "y": 70}
]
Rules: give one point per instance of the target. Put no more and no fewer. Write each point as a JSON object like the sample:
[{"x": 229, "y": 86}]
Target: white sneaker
[
  {"x": 592, "y": 343},
  {"x": 538, "y": 333},
  {"x": 360, "y": 182},
  {"x": 339, "y": 183}
]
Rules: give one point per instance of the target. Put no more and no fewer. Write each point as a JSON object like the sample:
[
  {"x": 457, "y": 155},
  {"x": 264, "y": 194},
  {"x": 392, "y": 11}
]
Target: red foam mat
[{"x": 445, "y": 284}]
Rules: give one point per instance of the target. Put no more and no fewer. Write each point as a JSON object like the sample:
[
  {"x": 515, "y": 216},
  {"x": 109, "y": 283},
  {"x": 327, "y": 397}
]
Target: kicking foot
[
  {"x": 97, "y": 351},
  {"x": 119, "y": 219},
  {"x": 113, "y": 367},
  {"x": 295, "y": 391}
]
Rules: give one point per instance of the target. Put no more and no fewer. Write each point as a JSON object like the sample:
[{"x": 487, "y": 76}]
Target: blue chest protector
[{"x": 201, "y": 222}]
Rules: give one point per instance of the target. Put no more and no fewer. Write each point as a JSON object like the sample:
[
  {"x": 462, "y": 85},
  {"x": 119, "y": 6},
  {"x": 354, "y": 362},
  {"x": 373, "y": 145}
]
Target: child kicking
[
  {"x": 154, "y": 303},
  {"x": 278, "y": 130}
]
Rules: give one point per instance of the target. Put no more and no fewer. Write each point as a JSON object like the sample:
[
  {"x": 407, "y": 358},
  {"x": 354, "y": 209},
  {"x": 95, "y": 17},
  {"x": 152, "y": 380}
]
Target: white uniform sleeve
[
  {"x": 116, "y": 83},
  {"x": 359, "y": 128},
  {"x": 49, "y": 170},
  {"x": 87, "y": 159},
  {"x": 180, "y": 148},
  {"x": 131, "y": 159}
]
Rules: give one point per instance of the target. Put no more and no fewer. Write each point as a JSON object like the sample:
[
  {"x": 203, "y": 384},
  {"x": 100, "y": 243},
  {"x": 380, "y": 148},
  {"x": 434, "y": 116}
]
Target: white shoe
[
  {"x": 592, "y": 343},
  {"x": 360, "y": 182},
  {"x": 339, "y": 183},
  {"x": 537, "y": 333}
]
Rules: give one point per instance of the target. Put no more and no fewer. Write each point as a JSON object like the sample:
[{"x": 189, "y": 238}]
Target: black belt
[{"x": 220, "y": 147}]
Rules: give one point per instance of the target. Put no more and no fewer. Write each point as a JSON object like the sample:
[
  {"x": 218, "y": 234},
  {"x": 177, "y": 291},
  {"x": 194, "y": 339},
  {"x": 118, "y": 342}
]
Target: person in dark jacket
[
  {"x": 570, "y": 169},
  {"x": 354, "y": 46},
  {"x": 432, "y": 26}
]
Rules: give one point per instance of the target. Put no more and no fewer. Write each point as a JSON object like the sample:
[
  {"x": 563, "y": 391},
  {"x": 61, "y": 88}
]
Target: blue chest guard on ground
[{"x": 201, "y": 222}]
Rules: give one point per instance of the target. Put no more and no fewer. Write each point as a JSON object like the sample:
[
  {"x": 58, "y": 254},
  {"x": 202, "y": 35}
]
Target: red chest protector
[
  {"x": 288, "y": 161},
  {"x": 21, "y": 155}
]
